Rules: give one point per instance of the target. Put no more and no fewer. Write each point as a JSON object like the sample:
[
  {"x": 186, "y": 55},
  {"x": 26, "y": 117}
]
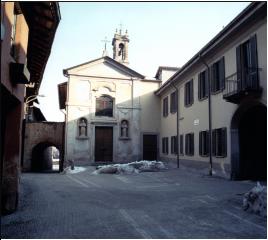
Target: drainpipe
[
  {"x": 209, "y": 115},
  {"x": 178, "y": 133}
]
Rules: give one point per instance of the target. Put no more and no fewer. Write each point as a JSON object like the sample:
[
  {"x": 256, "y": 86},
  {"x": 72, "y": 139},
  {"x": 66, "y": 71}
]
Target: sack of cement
[{"x": 255, "y": 200}]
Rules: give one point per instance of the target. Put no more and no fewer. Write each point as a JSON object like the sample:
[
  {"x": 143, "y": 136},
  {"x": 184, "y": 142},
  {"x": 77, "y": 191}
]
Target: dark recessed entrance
[
  {"x": 103, "y": 144},
  {"x": 249, "y": 143},
  {"x": 149, "y": 147},
  {"x": 45, "y": 158},
  {"x": 253, "y": 144}
]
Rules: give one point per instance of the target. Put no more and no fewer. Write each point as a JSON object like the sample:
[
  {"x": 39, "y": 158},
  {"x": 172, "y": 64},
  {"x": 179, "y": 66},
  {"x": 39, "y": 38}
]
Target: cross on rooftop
[
  {"x": 121, "y": 27},
  {"x": 105, "y": 42}
]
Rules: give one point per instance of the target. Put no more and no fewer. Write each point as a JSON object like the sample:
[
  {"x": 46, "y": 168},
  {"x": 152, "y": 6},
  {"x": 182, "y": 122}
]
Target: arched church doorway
[
  {"x": 249, "y": 143},
  {"x": 46, "y": 157}
]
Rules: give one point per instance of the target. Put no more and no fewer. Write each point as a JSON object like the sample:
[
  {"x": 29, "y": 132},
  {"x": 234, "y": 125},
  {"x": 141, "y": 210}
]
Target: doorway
[
  {"x": 253, "y": 144},
  {"x": 149, "y": 147},
  {"x": 103, "y": 144},
  {"x": 250, "y": 133},
  {"x": 45, "y": 158}
]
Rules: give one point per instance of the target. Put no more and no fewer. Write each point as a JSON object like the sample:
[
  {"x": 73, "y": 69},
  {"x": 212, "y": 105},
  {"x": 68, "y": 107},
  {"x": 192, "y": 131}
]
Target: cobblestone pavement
[{"x": 168, "y": 204}]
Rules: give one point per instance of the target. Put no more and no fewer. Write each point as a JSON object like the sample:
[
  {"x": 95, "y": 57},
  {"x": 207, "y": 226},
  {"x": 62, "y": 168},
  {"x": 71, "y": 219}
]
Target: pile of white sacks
[
  {"x": 256, "y": 200},
  {"x": 133, "y": 167}
]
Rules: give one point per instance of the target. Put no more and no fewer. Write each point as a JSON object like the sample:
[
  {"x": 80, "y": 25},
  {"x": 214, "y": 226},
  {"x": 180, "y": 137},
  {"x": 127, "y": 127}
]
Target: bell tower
[{"x": 120, "y": 47}]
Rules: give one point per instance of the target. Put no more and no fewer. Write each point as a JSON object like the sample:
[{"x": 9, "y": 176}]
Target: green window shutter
[
  {"x": 222, "y": 73},
  {"x": 191, "y": 91},
  {"x": 186, "y": 144},
  {"x": 224, "y": 142},
  {"x": 207, "y": 142},
  {"x": 212, "y": 78},
  {"x": 206, "y": 83},
  {"x": 214, "y": 142},
  {"x": 191, "y": 144},
  {"x": 171, "y": 103},
  {"x": 239, "y": 67},
  {"x": 200, "y": 143},
  {"x": 167, "y": 145},
  {"x": 254, "y": 62}
]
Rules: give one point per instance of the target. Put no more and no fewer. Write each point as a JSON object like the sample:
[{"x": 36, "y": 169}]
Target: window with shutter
[
  {"x": 165, "y": 107},
  {"x": 173, "y": 102},
  {"x": 204, "y": 143},
  {"x": 192, "y": 144},
  {"x": 203, "y": 85},
  {"x": 247, "y": 65},
  {"x": 219, "y": 142},
  {"x": 218, "y": 76},
  {"x": 167, "y": 147},
  {"x": 191, "y": 92},
  {"x": 181, "y": 144},
  {"x": 174, "y": 145},
  {"x": 188, "y": 93},
  {"x": 189, "y": 144},
  {"x": 222, "y": 74},
  {"x": 214, "y": 142}
]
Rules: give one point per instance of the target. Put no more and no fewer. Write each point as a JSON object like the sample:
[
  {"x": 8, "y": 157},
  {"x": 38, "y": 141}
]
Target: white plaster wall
[
  {"x": 166, "y": 74},
  {"x": 131, "y": 97}
]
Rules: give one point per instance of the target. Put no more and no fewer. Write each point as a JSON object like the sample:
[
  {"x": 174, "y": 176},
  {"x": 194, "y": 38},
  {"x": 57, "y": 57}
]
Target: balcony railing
[{"x": 237, "y": 89}]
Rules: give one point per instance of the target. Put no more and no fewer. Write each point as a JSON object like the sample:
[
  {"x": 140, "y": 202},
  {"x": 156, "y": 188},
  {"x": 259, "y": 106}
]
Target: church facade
[{"x": 110, "y": 110}]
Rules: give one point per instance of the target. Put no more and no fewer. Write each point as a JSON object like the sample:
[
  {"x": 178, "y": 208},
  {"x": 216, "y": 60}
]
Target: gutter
[
  {"x": 252, "y": 12},
  {"x": 178, "y": 132},
  {"x": 209, "y": 114}
]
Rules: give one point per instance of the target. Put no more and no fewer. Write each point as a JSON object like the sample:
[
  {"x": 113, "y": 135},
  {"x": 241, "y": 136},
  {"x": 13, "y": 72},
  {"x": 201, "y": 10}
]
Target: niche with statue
[
  {"x": 124, "y": 130},
  {"x": 82, "y": 128}
]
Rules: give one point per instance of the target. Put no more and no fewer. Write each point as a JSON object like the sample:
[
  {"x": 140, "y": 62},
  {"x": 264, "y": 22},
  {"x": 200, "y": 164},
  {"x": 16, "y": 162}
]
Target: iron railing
[{"x": 249, "y": 81}]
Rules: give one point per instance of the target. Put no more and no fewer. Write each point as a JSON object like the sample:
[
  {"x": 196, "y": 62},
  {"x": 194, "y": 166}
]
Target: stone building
[
  {"x": 27, "y": 33},
  {"x": 209, "y": 114}
]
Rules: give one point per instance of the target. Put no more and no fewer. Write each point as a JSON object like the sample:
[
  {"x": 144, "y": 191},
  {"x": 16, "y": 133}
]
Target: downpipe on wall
[
  {"x": 209, "y": 114},
  {"x": 178, "y": 132}
]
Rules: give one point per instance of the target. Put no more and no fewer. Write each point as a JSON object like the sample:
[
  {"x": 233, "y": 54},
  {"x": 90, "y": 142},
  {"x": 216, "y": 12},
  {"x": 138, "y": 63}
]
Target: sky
[{"x": 160, "y": 33}]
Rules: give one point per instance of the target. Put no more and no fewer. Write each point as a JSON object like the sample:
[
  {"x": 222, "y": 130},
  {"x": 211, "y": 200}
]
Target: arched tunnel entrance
[
  {"x": 249, "y": 133},
  {"x": 46, "y": 157}
]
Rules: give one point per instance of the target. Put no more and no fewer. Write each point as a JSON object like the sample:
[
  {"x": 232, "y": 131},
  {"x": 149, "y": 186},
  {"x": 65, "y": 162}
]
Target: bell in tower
[{"x": 120, "y": 47}]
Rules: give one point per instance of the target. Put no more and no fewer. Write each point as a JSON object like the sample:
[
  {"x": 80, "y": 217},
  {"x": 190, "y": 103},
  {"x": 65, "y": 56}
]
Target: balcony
[{"x": 247, "y": 86}]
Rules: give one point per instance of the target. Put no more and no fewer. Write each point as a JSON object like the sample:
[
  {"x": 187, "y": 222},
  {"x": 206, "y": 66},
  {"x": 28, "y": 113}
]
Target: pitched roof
[
  {"x": 113, "y": 62},
  {"x": 255, "y": 10},
  {"x": 160, "y": 68}
]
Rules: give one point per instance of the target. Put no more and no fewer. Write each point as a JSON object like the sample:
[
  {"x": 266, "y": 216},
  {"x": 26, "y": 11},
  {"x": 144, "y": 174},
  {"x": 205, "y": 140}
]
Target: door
[
  {"x": 253, "y": 144},
  {"x": 103, "y": 144},
  {"x": 149, "y": 147}
]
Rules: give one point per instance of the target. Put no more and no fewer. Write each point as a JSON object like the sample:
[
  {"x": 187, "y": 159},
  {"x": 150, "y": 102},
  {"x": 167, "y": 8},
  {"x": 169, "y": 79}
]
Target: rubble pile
[
  {"x": 129, "y": 168},
  {"x": 70, "y": 170},
  {"x": 256, "y": 200}
]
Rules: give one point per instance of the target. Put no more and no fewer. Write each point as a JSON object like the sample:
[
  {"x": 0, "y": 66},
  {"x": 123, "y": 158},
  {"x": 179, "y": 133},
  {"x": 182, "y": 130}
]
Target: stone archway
[
  {"x": 42, "y": 157},
  {"x": 38, "y": 137},
  {"x": 249, "y": 142}
]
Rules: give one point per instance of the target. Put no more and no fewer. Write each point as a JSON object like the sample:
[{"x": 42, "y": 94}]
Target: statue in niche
[
  {"x": 82, "y": 128},
  {"x": 124, "y": 129}
]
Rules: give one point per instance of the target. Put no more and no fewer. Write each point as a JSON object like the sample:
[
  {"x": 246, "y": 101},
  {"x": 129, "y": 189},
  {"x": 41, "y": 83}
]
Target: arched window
[
  {"x": 104, "y": 106},
  {"x": 82, "y": 127},
  {"x": 124, "y": 129},
  {"x": 121, "y": 51}
]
